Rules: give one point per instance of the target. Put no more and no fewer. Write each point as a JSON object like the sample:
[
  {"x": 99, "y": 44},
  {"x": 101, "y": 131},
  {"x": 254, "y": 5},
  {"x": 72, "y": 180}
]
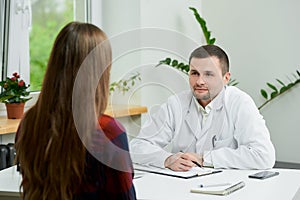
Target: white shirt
[
  {"x": 234, "y": 134},
  {"x": 204, "y": 111}
]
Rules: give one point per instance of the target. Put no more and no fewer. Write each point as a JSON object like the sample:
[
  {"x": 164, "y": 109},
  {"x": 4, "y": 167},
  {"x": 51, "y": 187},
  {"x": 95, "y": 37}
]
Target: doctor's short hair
[{"x": 210, "y": 50}]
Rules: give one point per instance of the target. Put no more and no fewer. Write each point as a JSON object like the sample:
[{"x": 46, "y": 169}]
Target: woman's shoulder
[{"x": 111, "y": 126}]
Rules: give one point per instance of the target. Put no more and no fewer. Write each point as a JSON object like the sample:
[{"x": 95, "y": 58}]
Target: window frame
[{"x": 17, "y": 11}]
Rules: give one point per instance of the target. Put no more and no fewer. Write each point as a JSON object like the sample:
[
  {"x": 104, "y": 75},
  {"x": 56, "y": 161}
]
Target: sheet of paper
[{"x": 192, "y": 172}]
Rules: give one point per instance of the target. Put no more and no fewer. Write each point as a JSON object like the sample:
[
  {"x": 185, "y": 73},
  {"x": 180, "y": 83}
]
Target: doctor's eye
[
  {"x": 194, "y": 73},
  {"x": 208, "y": 74}
]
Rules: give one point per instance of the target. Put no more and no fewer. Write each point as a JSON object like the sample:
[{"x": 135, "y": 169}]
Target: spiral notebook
[
  {"x": 221, "y": 190},
  {"x": 193, "y": 172}
]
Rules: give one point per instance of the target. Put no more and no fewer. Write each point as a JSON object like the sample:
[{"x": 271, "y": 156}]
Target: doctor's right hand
[{"x": 181, "y": 161}]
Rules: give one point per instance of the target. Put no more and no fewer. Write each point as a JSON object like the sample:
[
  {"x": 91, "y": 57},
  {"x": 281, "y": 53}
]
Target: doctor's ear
[{"x": 226, "y": 78}]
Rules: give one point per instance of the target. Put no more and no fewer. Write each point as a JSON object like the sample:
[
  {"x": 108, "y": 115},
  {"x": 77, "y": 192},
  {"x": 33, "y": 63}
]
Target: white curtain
[{"x": 18, "y": 41}]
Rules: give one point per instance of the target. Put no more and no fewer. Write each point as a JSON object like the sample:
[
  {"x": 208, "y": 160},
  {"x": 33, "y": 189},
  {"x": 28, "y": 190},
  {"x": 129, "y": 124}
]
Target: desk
[
  {"x": 159, "y": 187},
  {"x": 10, "y": 181},
  {"x": 10, "y": 126}
]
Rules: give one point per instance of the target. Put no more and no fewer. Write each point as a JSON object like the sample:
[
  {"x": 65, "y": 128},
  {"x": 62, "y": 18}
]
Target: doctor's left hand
[{"x": 183, "y": 161}]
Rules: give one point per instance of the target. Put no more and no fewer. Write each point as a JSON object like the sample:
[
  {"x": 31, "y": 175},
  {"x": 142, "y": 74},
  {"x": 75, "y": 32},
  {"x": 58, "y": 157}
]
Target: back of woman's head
[
  {"x": 76, "y": 45},
  {"x": 77, "y": 71}
]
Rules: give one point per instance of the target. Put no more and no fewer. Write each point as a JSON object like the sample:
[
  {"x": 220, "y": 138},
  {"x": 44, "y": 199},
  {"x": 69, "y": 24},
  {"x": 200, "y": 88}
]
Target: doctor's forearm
[{"x": 242, "y": 158}]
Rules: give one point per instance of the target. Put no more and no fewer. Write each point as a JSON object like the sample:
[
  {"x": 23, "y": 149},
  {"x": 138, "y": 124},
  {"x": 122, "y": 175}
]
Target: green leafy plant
[
  {"x": 207, "y": 34},
  {"x": 278, "y": 91},
  {"x": 124, "y": 85},
  {"x": 174, "y": 63},
  {"x": 14, "y": 90},
  {"x": 202, "y": 23}
]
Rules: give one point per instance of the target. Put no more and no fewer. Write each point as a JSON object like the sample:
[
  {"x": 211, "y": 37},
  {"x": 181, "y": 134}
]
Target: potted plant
[{"x": 13, "y": 95}]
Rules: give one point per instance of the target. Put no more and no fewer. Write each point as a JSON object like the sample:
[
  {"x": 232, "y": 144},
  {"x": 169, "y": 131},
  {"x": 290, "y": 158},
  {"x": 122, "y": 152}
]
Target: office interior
[{"x": 260, "y": 38}]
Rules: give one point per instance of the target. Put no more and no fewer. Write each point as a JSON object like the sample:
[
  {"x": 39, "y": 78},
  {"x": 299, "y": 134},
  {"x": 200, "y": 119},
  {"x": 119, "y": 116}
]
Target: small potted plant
[{"x": 13, "y": 95}]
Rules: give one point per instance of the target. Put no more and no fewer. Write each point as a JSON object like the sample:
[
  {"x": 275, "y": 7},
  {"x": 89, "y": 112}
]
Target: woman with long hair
[{"x": 66, "y": 147}]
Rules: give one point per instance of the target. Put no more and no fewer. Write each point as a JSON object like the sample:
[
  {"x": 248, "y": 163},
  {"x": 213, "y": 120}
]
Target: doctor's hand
[{"x": 183, "y": 161}]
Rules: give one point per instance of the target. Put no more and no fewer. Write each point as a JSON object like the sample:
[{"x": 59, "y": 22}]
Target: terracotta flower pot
[{"x": 15, "y": 110}]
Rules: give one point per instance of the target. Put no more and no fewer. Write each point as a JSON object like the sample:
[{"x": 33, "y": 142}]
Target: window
[
  {"x": 48, "y": 17},
  {"x": 3, "y": 32},
  {"x": 31, "y": 26}
]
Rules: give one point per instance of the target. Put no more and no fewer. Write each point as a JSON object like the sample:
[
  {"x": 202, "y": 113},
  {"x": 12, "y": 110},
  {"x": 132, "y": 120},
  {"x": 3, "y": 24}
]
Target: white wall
[
  {"x": 261, "y": 38},
  {"x": 142, "y": 34}
]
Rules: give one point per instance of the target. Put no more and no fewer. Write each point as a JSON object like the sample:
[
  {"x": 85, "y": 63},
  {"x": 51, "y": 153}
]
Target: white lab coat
[{"x": 234, "y": 135}]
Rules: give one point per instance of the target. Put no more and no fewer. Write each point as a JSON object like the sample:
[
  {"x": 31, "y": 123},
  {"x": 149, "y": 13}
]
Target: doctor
[{"x": 212, "y": 124}]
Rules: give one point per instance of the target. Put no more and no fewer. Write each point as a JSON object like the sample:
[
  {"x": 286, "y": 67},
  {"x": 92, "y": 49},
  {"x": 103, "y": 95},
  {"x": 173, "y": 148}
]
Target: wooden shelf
[
  {"x": 11, "y": 125},
  {"x": 125, "y": 110}
]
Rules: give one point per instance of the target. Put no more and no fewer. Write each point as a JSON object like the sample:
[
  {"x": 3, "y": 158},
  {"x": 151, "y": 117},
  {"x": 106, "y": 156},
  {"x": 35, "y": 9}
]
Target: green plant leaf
[
  {"x": 202, "y": 23},
  {"x": 232, "y": 82},
  {"x": 186, "y": 68},
  {"x": 180, "y": 65},
  {"x": 166, "y": 61},
  {"x": 290, "y": 85},
  {"x": 264, "y": 93},
  {"x": 283, "y": 89},
  {"x": 274, "y": 94},
  {"x": 174, "y": 63},
  {"x": 212, "y": 41},
  {"x": 279, "y": 81},
  {"x": 272, "y": 87},
  {"x": 124, "y": 85}
]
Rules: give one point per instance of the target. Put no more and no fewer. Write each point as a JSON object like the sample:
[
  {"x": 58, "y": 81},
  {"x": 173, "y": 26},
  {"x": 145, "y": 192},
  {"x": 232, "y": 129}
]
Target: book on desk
[
  {"x": 193, "y": 172},
  {"x": 219, "y": 190}
]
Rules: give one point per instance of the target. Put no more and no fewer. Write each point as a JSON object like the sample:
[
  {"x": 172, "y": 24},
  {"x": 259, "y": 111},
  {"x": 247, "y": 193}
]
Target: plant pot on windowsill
[
  {"x": 14, "y": 110},
  {"x": 13, "y": 95}
]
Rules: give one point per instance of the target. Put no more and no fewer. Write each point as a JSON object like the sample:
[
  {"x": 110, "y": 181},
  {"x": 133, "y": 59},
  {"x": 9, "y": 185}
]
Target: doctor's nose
[{"x": 201, "y": 80}]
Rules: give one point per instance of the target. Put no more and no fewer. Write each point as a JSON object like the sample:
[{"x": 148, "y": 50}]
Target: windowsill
[{"x": 121, "y": 110}]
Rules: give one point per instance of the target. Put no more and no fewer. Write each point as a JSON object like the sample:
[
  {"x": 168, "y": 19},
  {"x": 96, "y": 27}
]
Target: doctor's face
[{"x": 206, "y": 78}]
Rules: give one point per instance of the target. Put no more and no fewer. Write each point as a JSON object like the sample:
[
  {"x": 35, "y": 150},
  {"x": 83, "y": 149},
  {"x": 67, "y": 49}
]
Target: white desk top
[
  {"x": 160, "y": 187},
  {"x": 10, "y": 181}
]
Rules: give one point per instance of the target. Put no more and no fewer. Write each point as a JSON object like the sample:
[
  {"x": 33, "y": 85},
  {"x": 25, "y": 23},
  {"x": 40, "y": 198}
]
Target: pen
[
  {"x": 196, "y": 163},
  {"x": 214, "y": 185}
]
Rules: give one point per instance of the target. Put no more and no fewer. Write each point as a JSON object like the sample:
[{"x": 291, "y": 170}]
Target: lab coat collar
[
  {"x": 192, "y": 118},
  {"x": 218, "y": 101}
]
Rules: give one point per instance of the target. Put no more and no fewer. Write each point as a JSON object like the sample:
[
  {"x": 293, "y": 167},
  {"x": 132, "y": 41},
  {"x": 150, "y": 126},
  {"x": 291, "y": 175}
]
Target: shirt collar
[
  {"x": 216, "y": 103},
  {"x": 205, "y": 110}
]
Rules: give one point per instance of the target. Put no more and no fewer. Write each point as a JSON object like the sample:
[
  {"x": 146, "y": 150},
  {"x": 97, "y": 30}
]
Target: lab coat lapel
[
  {"x": 213, "y": 124},
  {"x": 193, "y": 118},
  {"x": 219, "y": 113}
]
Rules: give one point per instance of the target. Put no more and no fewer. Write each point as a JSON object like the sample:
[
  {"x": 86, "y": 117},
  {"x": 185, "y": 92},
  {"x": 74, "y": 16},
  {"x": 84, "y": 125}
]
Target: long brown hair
[{"x": 49, "y": 149}]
